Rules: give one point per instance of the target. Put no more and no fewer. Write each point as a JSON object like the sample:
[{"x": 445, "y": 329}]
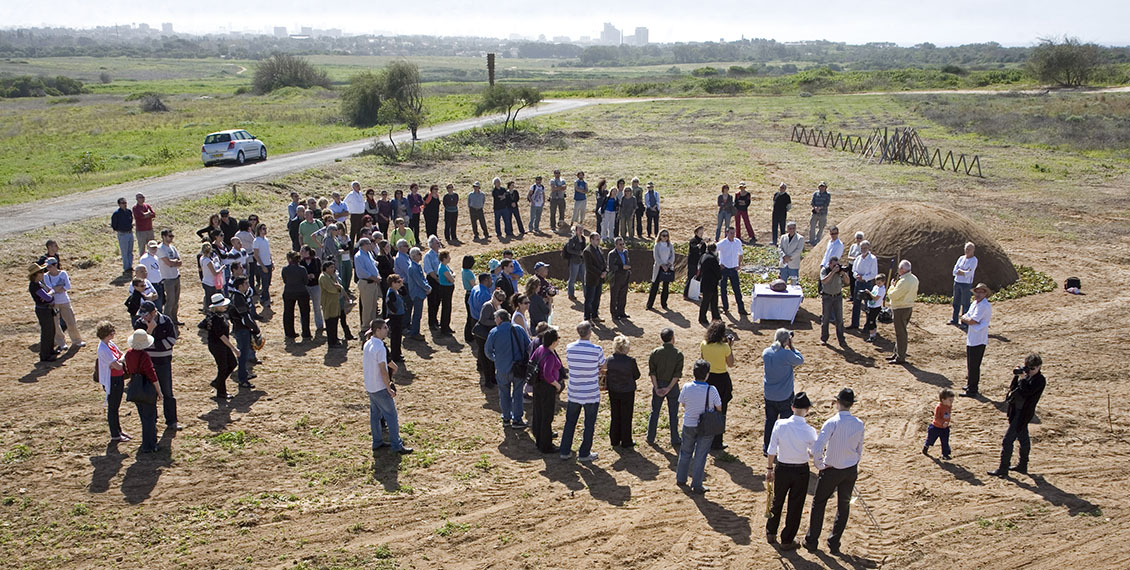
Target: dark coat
[
  {"x": 710, "y": 272},
  {"x": 616, "y": 273},
  {"x": 595, "y": 264},
  {"x": 622, "y": 373}
]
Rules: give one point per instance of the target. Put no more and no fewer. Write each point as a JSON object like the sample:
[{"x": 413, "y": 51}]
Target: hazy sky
[{"x": 906, "y": 22}]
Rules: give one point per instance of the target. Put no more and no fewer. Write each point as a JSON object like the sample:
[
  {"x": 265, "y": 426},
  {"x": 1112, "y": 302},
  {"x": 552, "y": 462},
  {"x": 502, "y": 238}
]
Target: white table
[{"x": 768, "y": 304}]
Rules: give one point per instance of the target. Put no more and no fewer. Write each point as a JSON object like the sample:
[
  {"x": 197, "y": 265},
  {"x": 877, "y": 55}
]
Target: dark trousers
[
  {"x": 331, "y": 331},
  {"x": 113, "y": 403},
  {"x": 872, "y": 318},
  {"x": 450, "y": 219},
  {"x": 295, "y": 237},
  {"x": 708, "y": 301},
  {"x": 46, "y": 318},
  {"x": 840, "y": 481},
  {"x": 431, "y": 224},
  {"x": 303, "y": 302},
  {"x": 265, "y": 272},
  {"x": 655, "y": 286},
  {"x": 934, "y": 433},
  {"x": 725, "y": 387},
  {"x": 484, "y": 364},
  {"x": 790, "y": 483},
  {"x": 858, "y": 306},
  {"x": 355, "y": 221},
  {"x": 395, "y": 336},
  {"x": 501, "y": 215},
  {"x": 478, "y": 219},
  {"x": 652, "y": 220},
  {"x": 468, "y": 336},
  {"x": 730, "y": 279},
  {"x": 833, "y": 312},
  {"x": 639, "y": 223},
  {"x": 617, "y": 297},
  {"x": 147, "y": 413},
  {"x": 592, "y": 302},
  {"x": 414, "y": 224},
  {"x": 516, "y": 213},
  {"x": 672, "y": 399},
  {"x": 225, "y": 364},
  {"x": 164, "y": 367},
  {"x": 445, "y": 294},
  {"x": 620, "y": 404},
  {"x": 545, "y": 399},
  {"x": 1017, "y": 432},
  {"x": 778, "y": 225},
  {"x": 775, "y": 410},
  {"x": 572, "y": 414},
  {"x": 433, "y": 303},
  {"x": 973, "y": 357}
]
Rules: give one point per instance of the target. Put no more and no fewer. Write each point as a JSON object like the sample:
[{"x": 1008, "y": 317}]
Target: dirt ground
[{"x": 301, "y": 489}]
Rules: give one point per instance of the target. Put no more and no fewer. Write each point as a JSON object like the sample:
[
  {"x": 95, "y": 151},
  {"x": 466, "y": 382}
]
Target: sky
[{"x": 905, "y": 22}]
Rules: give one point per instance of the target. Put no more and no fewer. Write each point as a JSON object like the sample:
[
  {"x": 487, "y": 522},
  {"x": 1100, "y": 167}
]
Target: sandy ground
[{"x": 476, "y": 496}]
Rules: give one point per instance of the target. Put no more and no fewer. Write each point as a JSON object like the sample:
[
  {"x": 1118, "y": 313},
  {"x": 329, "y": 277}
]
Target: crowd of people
[{"x": 369, "y": 255}]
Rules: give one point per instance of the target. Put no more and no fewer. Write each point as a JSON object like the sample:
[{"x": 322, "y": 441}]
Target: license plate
[{"x": 218, "y": 155}]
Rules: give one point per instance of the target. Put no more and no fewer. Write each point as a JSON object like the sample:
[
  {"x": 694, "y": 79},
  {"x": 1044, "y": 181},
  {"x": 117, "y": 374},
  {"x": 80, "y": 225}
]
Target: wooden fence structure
[{"x": 904, "y": 146}]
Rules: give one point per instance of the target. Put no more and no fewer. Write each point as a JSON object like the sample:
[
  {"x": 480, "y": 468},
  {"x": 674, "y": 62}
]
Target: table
[{"x": 770, "y": 305}]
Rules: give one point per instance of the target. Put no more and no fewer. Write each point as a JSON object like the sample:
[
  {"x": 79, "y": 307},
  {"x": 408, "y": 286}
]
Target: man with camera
[
  {"x": 780, "y": 361},
  {"x": 1023, "y": 394},
  {"x": 833, "y": 279}
]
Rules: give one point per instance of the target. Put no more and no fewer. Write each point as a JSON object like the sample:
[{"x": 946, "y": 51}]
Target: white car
[{"x": 235, "y": 145}]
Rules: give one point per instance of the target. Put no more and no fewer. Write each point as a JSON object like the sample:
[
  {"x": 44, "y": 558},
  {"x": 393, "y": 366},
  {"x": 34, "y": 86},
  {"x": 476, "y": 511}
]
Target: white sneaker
[
  {"x": 80, "y": 344},
  {"x": 590, "y": 457}
]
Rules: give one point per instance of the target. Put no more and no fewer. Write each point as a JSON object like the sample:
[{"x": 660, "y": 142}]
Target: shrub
[
  {"x": 88, "y": 162},
  {"x": 285, "y": 70},
  {"x": 361, "y": 101},
  {"x": 242, "y": 89},
  {"x": 704, "y": 71},
  {"x": 163, "y": 155},
  {"x": 152, "y": 103},
  {"x": 104, "y": 77}
]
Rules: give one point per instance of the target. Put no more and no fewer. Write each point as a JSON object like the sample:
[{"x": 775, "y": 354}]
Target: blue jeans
[
  {"x": 672, "y": 399},
  {"x": 125, "y": 245},
  {"x": 592, "y": 300},
  {"x": 382, "y": 407},
  {"x": 510, "y": 395},
  {"x": 723, "y": 218},
  {"x": 163, "y": 366},
  {"x": 415, "y": 311},
  {"x": 576, "y": 273},
  {"x": 500, "y": 215},
  {"x": 572, "y": 414},
  {"x": 730, "y": 278},
  {"x": 243, "y": 343},
  {"x": 696, "y": 447},
  {"x": 160, "y": 302},
  {"x": 265, "y": 272},
  {"x": 934, "y": 433},
  {"x": 787, "y": 273},
  {"x": 961, "y": 295}
]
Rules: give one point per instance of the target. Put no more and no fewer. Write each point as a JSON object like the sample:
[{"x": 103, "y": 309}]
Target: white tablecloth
[{"x": 768, "y": 304}]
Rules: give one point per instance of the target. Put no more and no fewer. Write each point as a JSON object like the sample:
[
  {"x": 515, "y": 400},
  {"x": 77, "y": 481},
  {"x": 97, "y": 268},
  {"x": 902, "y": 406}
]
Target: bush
[
  {"x": 285, "y": 70},
  {"x": 704, "y": 71},
  {"x": 151, "y": 103},
  {"x": 953, "y": 70},
  {"x": 28, "y": 86},
  {"x": 88, "y": 162},
  {"x": 163, "y": 155},
  {"x": 104, "y": 77},
  {"x": 242, "y": 89},
  {"x": 361, "y": 101},
  {"x": 1068, "y": 64}
]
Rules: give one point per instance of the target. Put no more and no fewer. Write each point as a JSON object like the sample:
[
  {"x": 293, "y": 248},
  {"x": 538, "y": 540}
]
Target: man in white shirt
[
  {"x": 790, "y": 448},
  {"x": 976, "y": 337},
  {"x": 836, "y": 456},
  {"x": 536, "y": 197},
  {"x": 169, "y": 258},
  {"x": 730, "y": 258},
  {"x": 863, "y": 272},
  {"x": 355, "y": 205},
  {"x": 790, "y": 247},
  {"x": 377, "y": 372},
  {"x": 835, "y": 246},
  {"x": 153, "y": 266},
  {"x": 556, "y": 200},
  {"x": 963, "y": 271}
]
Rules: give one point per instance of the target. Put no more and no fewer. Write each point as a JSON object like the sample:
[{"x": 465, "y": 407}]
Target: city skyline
[{"x": 666, "y": 21}]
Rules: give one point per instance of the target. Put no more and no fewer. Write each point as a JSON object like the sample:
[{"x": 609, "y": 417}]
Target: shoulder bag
[
  {"x": 711, "y": 422},
  {"x": 140, "y": 390}
]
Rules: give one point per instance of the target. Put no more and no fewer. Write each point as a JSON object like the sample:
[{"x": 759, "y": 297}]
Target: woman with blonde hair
[{"x": 621, "y": 382}]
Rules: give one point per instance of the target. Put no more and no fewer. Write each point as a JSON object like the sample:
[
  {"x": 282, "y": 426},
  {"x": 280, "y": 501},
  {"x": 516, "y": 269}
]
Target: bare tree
[{"x": 1069, "y": 64}]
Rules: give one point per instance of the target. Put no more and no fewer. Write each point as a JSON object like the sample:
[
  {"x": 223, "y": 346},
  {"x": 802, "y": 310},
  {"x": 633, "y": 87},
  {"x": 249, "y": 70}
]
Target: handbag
[
  {"x": 521, "y": 366},
  {"x": 533, "y": 372},
  {"x": 666, "y": 275},
  {"x": 694, "y": 290},
  {"x": 710, "y": 423},
  {"x": 886, "y": 316},
  {"x": 140, "y": 390}
]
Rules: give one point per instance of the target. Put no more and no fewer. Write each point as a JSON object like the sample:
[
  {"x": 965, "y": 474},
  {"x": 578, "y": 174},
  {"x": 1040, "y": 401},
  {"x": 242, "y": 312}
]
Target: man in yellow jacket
[{"x": 901, "y": 298}]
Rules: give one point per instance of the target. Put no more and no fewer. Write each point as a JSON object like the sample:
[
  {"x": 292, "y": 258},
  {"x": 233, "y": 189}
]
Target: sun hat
[
  {"x": 140, "y": 340},
  {"x": 981, "y": 286},
  {"x": 34, "y": 268},
  {"x": 218, "y": 300},
  {"x": 152, "y": 243}
]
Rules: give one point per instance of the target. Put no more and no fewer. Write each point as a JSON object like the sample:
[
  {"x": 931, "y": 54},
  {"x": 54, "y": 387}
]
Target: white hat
[
  {"x": 140, "y": 340},
  {"x": 218, "y": 300}
]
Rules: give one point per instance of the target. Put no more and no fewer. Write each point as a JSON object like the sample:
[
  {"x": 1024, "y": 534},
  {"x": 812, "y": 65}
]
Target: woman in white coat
[{"x": 663, "y": 270}]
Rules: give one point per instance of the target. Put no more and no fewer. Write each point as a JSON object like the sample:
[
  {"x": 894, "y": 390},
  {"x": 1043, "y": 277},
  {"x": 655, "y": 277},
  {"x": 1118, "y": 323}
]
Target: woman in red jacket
[{"x": 139, "y": 362}]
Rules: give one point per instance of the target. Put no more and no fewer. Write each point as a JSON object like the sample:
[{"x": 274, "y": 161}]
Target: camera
[
  {"x": 846, "y": 269},
  {"x": 731, "y": 336},
  {"x": 1020, "y": 371},
  {"x": 864, "y": 295}
]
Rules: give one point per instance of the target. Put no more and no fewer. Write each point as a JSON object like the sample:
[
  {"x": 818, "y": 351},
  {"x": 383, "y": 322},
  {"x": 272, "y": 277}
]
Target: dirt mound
[{"x": 930, "y": 237}]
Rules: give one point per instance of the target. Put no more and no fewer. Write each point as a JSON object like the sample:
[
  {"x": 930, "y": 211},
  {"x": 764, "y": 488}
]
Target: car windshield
[{"x": 217, "y": 138}]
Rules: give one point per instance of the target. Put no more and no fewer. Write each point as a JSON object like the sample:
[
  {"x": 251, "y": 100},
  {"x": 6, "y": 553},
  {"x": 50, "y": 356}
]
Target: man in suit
[
  {"x": 596, "y": 267},
  {"x": 619, "y": 272},
  {"x": 710, "y": 275},
  {"x": 790, "y": 248}
]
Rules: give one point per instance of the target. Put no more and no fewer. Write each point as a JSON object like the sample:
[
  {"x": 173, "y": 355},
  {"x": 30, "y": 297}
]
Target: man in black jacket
[
  {"x": 574, "y": 252},
  {"x": 710, "y": 275},
  {"x": 620, "y": 273},
  {"x": 1023, "y": 394},
  {"x": 243, "y": 327},
  {"x": 294, "y": 278},
  {"x": 164, "y": 333},
  {"x": 596, "y": 268}
]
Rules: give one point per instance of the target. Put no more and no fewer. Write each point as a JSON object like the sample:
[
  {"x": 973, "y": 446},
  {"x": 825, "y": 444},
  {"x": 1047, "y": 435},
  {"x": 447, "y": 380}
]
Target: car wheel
[
  {"x": 262, "y": 153},
  {"x": 239, "y": 158}
]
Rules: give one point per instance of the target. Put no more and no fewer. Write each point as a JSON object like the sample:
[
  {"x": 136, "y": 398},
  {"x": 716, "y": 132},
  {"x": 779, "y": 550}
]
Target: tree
[
  {"x": 1069, "y": 64},
  {"x": 404, "y": 95},
  {"x": 361, "y": 100},
  {"x": 507, "y": 100},
  {"x": 285, "y": 70}
]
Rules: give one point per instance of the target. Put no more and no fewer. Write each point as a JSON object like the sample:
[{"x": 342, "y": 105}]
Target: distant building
[
  {"x": 143, "y": 27},
  {"x": 610, "y": 35},
  {"x": 584, "y": 39},
  {"x": 560, "y": 39},
  {"x": 640, "y": 37},
  {"x": 541, "y": 38},
  {"x": 280, "y": 31},
  {"x": 307, "y": 31},
  {"x": 333, "y": 32},
  {"x": 166, "y": 28}
]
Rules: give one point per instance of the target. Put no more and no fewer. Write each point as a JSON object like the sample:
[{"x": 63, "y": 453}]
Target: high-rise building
[
  {"x": 641, "y": 37},
  {"x": 280, "y": 31},
  {"x": 167, "y": 28},
  {"x": 610, "y": 35},
  {"x": 307, "y": 31}
]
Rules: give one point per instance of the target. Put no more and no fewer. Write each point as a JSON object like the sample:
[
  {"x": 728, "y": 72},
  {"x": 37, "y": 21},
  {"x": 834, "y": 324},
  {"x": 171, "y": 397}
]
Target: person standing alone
[{"x": 1023, "y": 394}]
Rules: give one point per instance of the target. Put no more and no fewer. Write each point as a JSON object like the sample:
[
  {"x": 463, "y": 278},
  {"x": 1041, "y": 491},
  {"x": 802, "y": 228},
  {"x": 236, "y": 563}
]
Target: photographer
[
  {"x": 833, "y": 279},
  {"x": 1023, "y": 394},
  {"x": 718, "y": 349},
  {"x": 780, "y": 361}
]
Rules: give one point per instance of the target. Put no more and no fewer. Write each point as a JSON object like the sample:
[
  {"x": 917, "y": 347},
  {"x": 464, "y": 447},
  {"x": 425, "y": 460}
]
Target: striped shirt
[
  {"x": 840, "y": 443},
  {"x": 584, "y": 360}
]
